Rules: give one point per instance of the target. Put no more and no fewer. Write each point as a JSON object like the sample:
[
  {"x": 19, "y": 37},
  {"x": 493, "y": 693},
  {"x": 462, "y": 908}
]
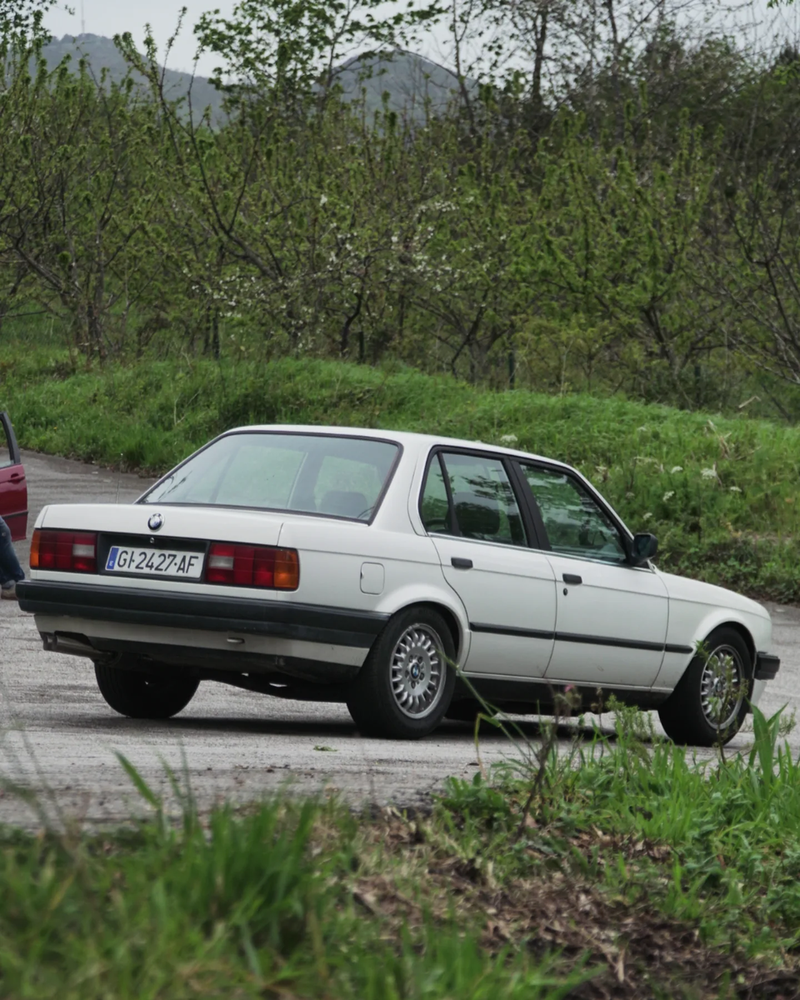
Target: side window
[
  {"x": 484, "y": 505},
  {"x": 5, "y": 450},
  {"x": 574, "y": 523},
  {"x": 434, "y": 507}
]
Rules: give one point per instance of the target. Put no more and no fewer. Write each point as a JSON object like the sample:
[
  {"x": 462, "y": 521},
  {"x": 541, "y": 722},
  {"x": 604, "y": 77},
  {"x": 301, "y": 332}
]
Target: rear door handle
[
  {"x": 459, "y": 563},
  {"x": 572, "y": 578}
]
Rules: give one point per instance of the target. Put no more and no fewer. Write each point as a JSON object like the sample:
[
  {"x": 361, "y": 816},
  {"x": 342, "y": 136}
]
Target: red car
[{"x": 13, "y": 488}]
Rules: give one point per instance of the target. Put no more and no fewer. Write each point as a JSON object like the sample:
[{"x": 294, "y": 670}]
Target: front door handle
[
  {"x": 572, "y": 578},
  {"x": 459, "y": 563}
]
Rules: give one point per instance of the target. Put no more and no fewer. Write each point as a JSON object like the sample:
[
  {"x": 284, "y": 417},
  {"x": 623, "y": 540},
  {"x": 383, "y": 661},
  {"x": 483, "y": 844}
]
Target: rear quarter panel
[{"x": 333, "y": 556}]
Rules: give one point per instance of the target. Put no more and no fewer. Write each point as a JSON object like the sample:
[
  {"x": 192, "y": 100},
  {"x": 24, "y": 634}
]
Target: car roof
[{"x": 406, "y": 438}]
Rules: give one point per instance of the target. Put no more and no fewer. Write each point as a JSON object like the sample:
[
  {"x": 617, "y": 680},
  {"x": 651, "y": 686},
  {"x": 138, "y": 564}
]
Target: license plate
[{"x": 154, "y": 562}]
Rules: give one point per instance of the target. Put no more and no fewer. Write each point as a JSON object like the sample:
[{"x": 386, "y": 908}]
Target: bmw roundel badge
[{"x": 155, "y": 522}]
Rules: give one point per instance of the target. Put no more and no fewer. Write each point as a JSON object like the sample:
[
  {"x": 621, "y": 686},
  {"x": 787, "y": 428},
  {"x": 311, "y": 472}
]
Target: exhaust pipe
[{"x": 74, "y": 645}]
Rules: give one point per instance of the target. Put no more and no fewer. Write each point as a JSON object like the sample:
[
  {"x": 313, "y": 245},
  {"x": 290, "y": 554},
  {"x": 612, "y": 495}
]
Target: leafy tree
[
  {"x": 72, "y": 196},
  {"x": 22, "y": 19},
  {"x": 297, "y": 47}
]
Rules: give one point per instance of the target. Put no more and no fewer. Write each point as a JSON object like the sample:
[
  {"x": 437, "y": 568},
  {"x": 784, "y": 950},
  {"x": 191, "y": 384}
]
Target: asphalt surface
[{"x": 59, "y": 740}]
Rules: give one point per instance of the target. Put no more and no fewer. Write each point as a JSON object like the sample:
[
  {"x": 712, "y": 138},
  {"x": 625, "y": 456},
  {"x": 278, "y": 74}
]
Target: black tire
[
  {"x": 407, "y": 681},
  {"x": 142, "y": 696},
  {"x": 700, "y": 712}
]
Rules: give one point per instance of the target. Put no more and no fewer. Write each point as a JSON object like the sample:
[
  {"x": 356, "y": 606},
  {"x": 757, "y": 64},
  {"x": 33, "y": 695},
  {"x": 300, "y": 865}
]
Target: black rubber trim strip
[
  {"x": 603, "y": 640},
  {"x": 767, "y": 666},
  {"x": 522, "y": 633},
  {"x": 592, "y": 640},
  {"x": 672, "y": 647},
  {"x": 167, "y": 609}
]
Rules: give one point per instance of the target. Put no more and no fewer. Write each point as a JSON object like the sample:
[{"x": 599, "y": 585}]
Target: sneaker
[{"x": 9, "y": 593}]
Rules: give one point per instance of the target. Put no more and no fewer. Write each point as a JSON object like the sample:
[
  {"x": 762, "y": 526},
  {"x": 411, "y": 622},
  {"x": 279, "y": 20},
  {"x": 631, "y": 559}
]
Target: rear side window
[
  {"x": 435, "y": 507},
  {"x": 319, "y": 474},
  {"x": 480, "y": 503}
]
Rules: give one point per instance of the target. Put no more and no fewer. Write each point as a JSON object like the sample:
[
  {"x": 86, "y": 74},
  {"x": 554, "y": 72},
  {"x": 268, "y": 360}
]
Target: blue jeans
[{"x": 10, "y": 569}]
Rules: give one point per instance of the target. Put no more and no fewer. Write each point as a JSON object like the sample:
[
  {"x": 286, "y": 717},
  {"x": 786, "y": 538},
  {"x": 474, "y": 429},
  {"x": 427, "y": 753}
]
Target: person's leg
[{"x": 10, "y": 569}]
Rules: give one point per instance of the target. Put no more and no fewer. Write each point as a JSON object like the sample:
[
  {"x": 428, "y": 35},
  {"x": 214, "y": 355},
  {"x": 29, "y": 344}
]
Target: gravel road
[{"x": 59, "y": 740}]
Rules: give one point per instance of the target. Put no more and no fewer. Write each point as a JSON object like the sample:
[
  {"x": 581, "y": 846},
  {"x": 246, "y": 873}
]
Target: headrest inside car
[{"x": 478, "y": 517}]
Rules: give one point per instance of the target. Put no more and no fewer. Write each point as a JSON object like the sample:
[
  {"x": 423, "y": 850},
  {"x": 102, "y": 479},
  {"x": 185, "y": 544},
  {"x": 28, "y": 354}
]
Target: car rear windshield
[{"x": 317, "y": 474}]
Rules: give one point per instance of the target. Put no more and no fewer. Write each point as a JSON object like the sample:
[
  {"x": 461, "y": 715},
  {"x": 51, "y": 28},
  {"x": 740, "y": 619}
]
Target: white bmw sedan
[{"x": 405, "y": 575}]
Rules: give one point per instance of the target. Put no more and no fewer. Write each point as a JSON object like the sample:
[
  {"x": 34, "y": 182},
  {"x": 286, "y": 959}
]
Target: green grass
[
  {"x": 635, "y": 875},
  {"x": 263, "y": 904},
  {"x": 722, "y": 494}
]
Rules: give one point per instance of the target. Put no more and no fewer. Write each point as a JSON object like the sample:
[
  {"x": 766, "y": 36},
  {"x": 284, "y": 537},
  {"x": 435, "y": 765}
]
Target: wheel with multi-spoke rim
[
  {"x": 143, "y": 696},
  {"x": 407, "y": 681},
  {"x": 709, "y": 703}
]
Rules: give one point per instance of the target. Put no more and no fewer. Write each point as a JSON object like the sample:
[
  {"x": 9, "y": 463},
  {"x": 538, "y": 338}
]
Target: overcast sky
[{"x": 110, "y": 17}]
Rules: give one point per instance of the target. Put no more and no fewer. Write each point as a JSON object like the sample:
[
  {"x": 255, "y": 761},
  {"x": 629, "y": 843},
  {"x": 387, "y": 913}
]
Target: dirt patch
[{"x": 629, "y": 952}]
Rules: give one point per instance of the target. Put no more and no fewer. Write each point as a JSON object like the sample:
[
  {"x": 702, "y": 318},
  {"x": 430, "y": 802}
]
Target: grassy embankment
[
  {"x": 633, "y": 875},
  {"x": 722, "y": 494}
]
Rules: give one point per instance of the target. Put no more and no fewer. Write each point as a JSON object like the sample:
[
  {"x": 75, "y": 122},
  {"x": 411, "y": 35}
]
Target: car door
[
  {"x": 472, "y": 512},
  {"x": 611, "y": 617},
  {"x": 13, "y": 487}
]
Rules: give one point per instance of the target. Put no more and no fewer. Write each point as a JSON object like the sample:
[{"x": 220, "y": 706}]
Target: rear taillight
[
  {"x": 75, "y": 552},
  {"x": 253, "y": 566}
]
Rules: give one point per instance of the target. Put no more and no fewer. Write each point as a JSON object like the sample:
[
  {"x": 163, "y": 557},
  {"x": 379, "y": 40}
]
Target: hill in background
[
  {"x": 101, "y": 53},
  {"x": 410, "y": 81}
]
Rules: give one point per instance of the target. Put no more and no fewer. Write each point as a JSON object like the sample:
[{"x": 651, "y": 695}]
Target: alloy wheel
[
  {"x": 722, "y": 687},
  {"x": 417, "y": 671}
]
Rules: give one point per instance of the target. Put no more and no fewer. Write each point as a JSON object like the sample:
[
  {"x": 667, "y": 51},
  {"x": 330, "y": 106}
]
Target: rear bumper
[
  {"x": 228, "y": 634},
  {"x": 198, "y": 612},
  {"x": 766, "y": 667}
]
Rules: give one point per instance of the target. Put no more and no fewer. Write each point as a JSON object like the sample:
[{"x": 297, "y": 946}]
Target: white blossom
[
  {"x": 509, "y": 439},
  {"x": 708, "y": 473},
  {"x": 676, "y": 468},
  {"x": 669, "y": 495},
  {"x": 734, "y": 489}
]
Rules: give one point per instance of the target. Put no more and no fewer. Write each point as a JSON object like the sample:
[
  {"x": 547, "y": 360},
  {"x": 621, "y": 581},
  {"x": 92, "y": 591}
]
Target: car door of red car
[{"x": 13, "y": 487}]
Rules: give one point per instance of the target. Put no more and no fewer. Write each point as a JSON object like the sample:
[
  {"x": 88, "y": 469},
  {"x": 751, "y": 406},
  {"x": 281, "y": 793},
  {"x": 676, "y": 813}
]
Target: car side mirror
[{"x": 643, "y": 547}]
